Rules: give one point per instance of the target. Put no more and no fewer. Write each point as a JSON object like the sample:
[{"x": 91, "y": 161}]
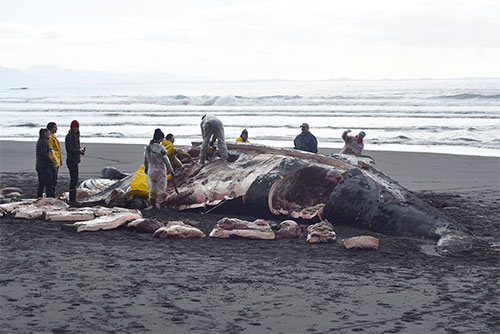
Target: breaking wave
[
  {"x": 466, "y": 96},
  {"x": 25, "y": 125},
  {"x": 259, "y": 100},
  {"x": 468, "y": 139}
]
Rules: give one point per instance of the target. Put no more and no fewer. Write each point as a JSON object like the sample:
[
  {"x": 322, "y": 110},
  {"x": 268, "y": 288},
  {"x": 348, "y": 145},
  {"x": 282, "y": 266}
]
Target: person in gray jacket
[
  {"x": 212, "y": 129},
  {"x": 44, "y": 165},
  {"x": 155, "y": 161}
]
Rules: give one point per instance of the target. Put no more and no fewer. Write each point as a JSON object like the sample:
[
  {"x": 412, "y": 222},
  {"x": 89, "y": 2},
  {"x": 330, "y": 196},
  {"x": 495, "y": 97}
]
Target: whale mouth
[{"x": 304, "y": 192}]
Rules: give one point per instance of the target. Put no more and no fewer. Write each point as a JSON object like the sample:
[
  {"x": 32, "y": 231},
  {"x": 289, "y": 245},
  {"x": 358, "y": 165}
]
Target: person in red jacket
[
  {"x": 73, "y": 154},
  {"x": 353, "y": 145}
]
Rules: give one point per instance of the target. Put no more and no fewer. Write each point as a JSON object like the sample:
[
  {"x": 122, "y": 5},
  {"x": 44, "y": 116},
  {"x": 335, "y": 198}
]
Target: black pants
[
  {"x": 54, "y": 176},
  {"x": 73, "y": 174},
  {"x": 45, "y": 180}
]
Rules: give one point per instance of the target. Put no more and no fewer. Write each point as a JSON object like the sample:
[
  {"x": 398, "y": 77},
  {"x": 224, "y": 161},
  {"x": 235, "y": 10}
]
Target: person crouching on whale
[
  {"x": 155, "y": 161},
  {"x": 44, "y": 165},
  {"x": 73, "y": 158},
  {"x": 212, "y": 129},
  {"x": 173, "y": 152},
  {"x": 353, "y": 145}
]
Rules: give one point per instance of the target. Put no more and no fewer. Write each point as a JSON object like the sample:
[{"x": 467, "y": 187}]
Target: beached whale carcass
[{"x": 306, "y": 185}]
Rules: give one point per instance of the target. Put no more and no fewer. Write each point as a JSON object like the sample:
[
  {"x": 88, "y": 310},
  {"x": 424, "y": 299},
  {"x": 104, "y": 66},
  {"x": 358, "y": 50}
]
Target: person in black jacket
[
  {"x": 306, "y": 141},
  {"x": 73, "y": 153},
  {"x": 44, "y": 165}
]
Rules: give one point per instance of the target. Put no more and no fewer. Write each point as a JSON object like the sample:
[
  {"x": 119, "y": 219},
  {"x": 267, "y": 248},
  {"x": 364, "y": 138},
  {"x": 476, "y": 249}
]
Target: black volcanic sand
[{"x": 119, "y": 281}]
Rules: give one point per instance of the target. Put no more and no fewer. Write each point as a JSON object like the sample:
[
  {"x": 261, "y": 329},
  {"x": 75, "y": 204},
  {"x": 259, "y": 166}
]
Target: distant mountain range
[{"x": 51, "y": 75}]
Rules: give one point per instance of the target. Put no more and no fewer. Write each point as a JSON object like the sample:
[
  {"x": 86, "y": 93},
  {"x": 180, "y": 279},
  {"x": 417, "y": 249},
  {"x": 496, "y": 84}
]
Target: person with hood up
[
  {"x": 44, "y": 165},
  {"x": 353, "y": 145},
  {"x": 55, "y": 152},
  {"x": 243, "y": 138},
  {"x": 155, "y": 161},
  {"x": 212, "y": 129},
  {"x": 306, "y": 141},
  {"x": 73, "y": 158},
  {"x": 173, "y": 152}
]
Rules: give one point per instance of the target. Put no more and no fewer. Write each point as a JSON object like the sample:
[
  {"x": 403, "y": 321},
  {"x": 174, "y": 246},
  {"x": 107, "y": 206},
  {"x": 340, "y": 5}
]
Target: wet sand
[{"x": 117, "y": 281}]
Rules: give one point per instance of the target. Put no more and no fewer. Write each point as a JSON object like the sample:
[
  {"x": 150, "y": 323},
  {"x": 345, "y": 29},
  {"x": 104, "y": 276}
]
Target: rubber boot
[
  {"x": 153, "y": 203},
  {"x": 39, "y": 192},
  {"x": 72, "y": 196},
  {"x": 51, "y": 191}
]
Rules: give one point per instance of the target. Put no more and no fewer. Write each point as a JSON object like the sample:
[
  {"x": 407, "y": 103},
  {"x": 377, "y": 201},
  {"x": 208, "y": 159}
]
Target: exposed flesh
[
  {"x": 178, "y": 230},
  {"x": 116, "y": 198},
  {"x": 361, "y": 242},
  {"x": 320, "y": 232},
  {"x": 233, "y": 227},
  {"x": 288, "y": 230},
  {"x": 304, "y": 192},
  {"x": 31, "y": 212},
  {"x": 35, "y": 209},
  {"x": 67, "y": 215},
  {"x": 145, "y": 225},
  {"x": 9, "y": 207},
  {"x": 108, "y": 222},
  {"x": 9, "y": 190}
]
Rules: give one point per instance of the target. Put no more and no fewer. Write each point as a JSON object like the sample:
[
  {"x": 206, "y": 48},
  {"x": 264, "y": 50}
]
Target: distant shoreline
[{"x": 43, "y": 76}]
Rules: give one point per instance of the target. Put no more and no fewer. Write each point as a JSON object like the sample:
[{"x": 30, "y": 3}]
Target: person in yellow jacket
[
  {"x": 243, "y": 137},
  {"x": 54, "y": 151},
  {"x": 174, "y": 153}
]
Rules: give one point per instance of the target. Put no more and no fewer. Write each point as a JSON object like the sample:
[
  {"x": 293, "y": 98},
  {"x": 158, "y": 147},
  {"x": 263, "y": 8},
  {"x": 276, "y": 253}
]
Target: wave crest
[{"x": 466, "y": 96}]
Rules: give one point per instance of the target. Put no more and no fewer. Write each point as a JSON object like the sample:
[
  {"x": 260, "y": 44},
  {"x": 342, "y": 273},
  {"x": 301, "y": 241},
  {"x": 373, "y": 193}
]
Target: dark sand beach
[{"x": 117, "y": 281}]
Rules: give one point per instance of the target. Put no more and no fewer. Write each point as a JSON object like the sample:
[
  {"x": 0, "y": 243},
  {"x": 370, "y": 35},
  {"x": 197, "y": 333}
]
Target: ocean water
[{"x": 442, "y": 116}]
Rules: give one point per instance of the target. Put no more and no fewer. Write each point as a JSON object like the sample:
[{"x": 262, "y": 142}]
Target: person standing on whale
[
  {"x": 73, "y": 158},
  {"x": 353, "y": 145}
]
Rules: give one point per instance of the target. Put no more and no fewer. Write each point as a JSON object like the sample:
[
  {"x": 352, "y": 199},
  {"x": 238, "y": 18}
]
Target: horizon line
[{"x": 192, "y": 78}]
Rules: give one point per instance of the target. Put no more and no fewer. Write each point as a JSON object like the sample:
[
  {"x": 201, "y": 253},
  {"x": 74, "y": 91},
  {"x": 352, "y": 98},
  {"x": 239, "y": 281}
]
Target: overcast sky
[{"x": 254, "y": 39}]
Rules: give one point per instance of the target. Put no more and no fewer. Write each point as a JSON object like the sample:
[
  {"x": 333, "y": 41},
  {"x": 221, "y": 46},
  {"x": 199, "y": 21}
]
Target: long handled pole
[{"x": 215, "y": 207}]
